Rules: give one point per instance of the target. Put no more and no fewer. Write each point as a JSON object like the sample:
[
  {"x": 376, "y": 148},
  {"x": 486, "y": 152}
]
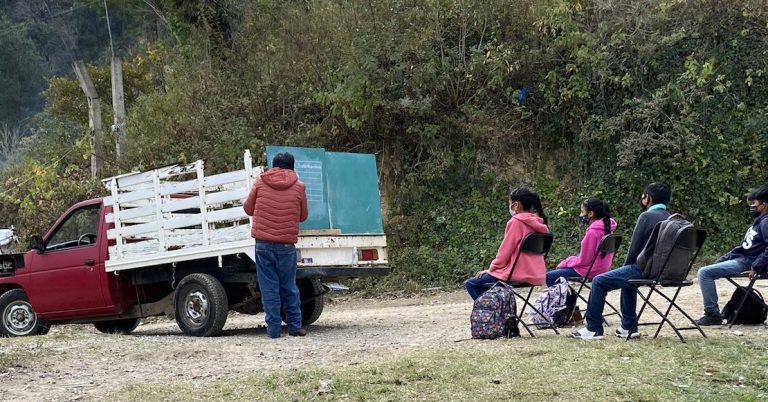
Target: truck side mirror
[{"x": 36, "y": 243}]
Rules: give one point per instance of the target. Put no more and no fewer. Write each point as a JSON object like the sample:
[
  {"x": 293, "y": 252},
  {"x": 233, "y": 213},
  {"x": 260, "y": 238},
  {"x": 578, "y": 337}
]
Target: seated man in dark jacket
[
  {"x": 655, "y": 198},
  {"x": 751, "y": 255}
]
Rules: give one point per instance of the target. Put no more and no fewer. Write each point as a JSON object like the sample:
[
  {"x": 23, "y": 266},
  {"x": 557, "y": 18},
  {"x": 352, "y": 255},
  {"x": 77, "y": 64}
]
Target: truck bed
[{"x": 175, "y": 214}]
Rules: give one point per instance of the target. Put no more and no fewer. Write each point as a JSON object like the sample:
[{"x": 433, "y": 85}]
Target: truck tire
[
  {"x": 312, "y": 300},
  {"x": 122, "y": 327},
  {"x": 18, "y": 317},
  {"x": 201, "y": 305}
]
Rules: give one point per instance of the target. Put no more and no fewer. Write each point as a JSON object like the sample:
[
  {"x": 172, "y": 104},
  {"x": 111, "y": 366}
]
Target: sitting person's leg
[
  {"x": 560, "y": 272},
  {"x": 601, "y": 285},
  {"x": 629, "y": 302},
  {"x": 477, "y": 286},
  {"x": 707, "y": 276}
]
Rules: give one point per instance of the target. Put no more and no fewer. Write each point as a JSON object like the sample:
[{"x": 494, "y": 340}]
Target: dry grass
[{"x": 552, "y": 368}]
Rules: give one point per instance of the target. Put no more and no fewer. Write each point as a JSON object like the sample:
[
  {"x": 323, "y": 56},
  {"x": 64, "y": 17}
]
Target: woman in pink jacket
[
  {"x": 530, "y": 268},
  {"x": 596, "y": 215}
]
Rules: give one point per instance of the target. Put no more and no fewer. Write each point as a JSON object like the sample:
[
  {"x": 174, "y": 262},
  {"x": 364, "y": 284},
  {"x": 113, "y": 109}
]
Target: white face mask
[{"x": 511, "y": 211}]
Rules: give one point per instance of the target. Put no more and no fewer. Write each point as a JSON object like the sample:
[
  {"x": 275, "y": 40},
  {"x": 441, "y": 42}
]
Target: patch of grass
[{"x": 517, "y": 369}]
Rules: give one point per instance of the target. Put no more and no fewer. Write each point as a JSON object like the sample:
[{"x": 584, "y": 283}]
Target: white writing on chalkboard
[{"x": 311, "y": 173}]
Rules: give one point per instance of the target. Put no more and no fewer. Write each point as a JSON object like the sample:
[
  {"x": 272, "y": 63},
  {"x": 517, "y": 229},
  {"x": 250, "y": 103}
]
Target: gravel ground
[{"x": 75, "y": 362}]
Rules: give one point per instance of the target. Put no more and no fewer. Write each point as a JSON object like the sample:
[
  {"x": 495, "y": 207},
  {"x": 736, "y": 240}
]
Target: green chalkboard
[
  {"x": 353, "y": 192},
  {"x": 342, "y": 189},
  {"x": 309, "y": 167}
]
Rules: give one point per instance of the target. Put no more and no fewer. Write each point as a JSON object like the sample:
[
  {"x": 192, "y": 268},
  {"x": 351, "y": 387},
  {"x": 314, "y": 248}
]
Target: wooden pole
[
  {"x": 94, "y": 115},
  {"x": 118, "y": 105}
]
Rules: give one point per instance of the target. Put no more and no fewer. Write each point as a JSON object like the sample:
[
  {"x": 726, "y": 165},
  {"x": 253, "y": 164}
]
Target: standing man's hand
[
  {"x": 752, "y": 273},
  {"x": 480, "y": 273}
]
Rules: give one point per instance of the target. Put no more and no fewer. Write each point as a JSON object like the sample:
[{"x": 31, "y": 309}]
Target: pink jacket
[
  {"x": 590, "y": 242},
  {"x": 530, "y": 268}
]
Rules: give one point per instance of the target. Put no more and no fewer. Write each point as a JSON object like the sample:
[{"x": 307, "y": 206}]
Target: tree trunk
[
  {"x": 94, "y": 116},
  {"x": 118, "y": 105}
]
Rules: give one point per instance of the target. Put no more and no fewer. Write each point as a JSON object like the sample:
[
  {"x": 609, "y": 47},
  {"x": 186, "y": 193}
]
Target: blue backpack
[{"x": 494, "y": 313}]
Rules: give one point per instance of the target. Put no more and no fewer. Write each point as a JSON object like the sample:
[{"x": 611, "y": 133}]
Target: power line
[{"x": 109, "y": 29}]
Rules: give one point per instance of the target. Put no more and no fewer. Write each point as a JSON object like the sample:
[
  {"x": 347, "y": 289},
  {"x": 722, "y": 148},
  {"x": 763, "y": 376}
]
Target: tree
[{"x": 21, "y": 78}]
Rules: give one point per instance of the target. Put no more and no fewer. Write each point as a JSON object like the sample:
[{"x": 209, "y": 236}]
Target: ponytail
[
  {"x": 539, "y": 208},
  {"x": 601, "y": 211}
]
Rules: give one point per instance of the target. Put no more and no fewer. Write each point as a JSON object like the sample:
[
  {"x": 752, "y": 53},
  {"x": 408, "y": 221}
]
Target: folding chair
[
  {"x": 533, "y": 243},
  {"x": 747, "y": 290},
  {"x": 689, "y": 239},
  {"x": 608, "y": 244}
]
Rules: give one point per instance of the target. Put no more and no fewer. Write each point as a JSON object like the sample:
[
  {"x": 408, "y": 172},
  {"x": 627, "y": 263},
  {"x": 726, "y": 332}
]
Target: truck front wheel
[
  {"x": 201, "y": 305},
  {"x": 123, "y": 327},
  {"x": 18, "y": 316}
]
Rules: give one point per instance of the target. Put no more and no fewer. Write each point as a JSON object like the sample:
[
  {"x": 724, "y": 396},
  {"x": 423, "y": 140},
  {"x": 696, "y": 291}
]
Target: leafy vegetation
[{"x": 459, "y": 99}]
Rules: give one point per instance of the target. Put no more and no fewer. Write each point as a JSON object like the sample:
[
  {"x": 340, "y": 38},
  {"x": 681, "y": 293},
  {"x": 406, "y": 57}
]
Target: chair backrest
[
  {"x": 533, "y": 243},
  {"x": 608, "y": 244},
  {"x": 689, "y": 239}
]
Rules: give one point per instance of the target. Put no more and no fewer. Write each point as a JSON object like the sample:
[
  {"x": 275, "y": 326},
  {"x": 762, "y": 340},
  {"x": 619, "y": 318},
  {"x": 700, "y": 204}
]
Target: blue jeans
[
  {"x": 276, "y": 271},
  {"x": 560, "y": 272},
  {"x": 477, "y": 286},
  {"x": 604, "y": 283},
  {"x": 707, "y": 277}
]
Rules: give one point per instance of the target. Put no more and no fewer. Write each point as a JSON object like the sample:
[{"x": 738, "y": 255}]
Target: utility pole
[
  {"x": 118, "y": 106},
  {"x": 94, "y": 116}
]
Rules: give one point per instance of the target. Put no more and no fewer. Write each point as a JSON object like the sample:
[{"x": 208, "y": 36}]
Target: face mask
[
  {"x": 511, "y": 211},
  {"x": 753, "y": 213},
  {"x": 583, "y": 219}
]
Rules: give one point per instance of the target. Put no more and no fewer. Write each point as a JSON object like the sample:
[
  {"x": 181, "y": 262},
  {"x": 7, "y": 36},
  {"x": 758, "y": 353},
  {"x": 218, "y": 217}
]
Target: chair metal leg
[
  {"x": 522, "y": 310},
  {"x": 526, "y": 303},
  {"x": 640, "y": 313},
  {"x": 664, "y": 318},
  {"x": 747, "y": 291}
]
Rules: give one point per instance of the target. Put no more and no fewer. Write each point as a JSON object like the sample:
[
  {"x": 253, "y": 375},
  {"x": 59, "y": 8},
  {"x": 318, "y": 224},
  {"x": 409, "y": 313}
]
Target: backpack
[
  {"x": 659, "y": 247},
  {"x": 494, "y": 313},
  {"x": 752, "y": 312},
  {"x": 555, "y": 305}
]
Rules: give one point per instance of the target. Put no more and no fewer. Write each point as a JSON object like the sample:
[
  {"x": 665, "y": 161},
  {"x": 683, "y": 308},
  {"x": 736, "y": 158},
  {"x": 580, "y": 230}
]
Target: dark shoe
[
  {"x": 301, "y": 332},
  {"x": 710, "y": 320}
]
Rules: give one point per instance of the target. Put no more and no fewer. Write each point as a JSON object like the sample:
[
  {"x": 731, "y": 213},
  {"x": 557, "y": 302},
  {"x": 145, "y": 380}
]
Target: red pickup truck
[{"x": 144, "y": 252}]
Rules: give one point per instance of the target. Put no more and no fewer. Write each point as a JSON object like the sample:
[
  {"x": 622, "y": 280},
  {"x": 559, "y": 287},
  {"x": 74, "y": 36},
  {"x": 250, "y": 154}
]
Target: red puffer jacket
[{"x": 277, "y": 202}]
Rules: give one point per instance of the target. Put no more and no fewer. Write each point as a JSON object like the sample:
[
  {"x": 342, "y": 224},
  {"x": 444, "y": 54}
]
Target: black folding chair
[
  {"x": 689, "y": 239},
  {"x": 608, "y": 244},
  {"x": 747, "y": 291},
  {"x": 533, "y": 243}
]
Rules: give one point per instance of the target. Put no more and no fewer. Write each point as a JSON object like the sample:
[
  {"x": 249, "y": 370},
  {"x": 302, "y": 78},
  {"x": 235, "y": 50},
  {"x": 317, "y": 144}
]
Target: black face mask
[
  {"x": 753, "y": 213},
  {"x": 584, "y": 220}
]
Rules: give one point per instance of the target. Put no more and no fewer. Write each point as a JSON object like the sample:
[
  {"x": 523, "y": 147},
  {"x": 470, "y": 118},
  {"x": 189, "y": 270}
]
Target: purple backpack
[{"x": 494, "y": 313}]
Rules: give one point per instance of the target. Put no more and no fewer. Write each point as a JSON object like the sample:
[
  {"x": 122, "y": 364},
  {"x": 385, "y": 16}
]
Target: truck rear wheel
[
  {"x": 201, "y": 305},
  {"x": 123, "y": 327},
  {"x": 18, "y": 317},
  {"x": 312, "y": 300}
]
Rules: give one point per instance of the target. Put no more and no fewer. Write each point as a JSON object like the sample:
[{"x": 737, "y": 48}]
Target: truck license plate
[{"x": 9, "y": 263}]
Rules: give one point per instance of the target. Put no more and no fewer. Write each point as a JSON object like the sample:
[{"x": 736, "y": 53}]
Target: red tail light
[{"x": 368, "y": 255}]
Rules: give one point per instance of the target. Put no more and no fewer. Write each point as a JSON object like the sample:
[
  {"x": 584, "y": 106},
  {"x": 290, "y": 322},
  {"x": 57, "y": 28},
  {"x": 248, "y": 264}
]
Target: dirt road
[{"x": 75, "y": 362}]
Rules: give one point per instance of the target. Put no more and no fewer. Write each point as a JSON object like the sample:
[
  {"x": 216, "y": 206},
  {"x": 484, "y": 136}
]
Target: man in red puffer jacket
[{"x": 278, "y": 202}]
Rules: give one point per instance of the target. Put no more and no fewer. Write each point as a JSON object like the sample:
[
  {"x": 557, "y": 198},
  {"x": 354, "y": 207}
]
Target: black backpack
[
  {"x": 659, "y": 249},
  {"x": 752, "y": 312}
]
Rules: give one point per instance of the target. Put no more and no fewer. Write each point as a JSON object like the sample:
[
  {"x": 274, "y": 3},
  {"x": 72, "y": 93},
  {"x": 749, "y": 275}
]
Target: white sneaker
[
  {"x": 585, "y": 334},
  {"x": 622, "y": 333}
]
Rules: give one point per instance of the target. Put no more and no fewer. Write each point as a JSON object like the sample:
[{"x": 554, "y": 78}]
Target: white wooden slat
[
  {"x": 229, "y": 214},
  {"x": 177, "y": 204},
  {"x": 182, "y": 222},
  {"x": 159, "y": 211},
  {"x": 133, "y": 230},
  {"x": 177, "y": 187},
  {"x": 224, "y": 196},
  {"x": 203, "y": 206},
  {"x": 132, "y": 213},
  {"x": 135, "y": 196},
  {"x": 148, "y": 177},
  {"x": 116, "y": 214},
  {"x": 225, "y": 178}
]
